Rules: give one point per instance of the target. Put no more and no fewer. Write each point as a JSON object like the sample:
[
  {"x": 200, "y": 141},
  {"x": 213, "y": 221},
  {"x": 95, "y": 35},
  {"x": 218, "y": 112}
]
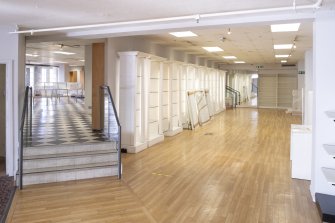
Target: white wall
[
  {"x": 301, "y": 77},
  {"x": 324, "y": 91},
  {"x": 63, "y": 73},
  {"x": 13, "y": 51}
]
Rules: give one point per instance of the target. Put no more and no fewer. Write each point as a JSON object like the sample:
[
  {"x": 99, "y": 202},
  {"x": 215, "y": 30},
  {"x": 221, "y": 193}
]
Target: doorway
[
  {"x": 2, "y": 119},
  {"x": 254, "y": 90}
]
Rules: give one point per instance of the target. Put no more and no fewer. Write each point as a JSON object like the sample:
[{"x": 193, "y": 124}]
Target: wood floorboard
[{"x": 235, "y": 169}]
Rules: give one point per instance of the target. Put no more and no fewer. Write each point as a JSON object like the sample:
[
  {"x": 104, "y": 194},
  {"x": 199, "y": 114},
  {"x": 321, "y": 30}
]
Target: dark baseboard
[
  {"x": 9, "y": 203},
  {"x": 326, "y": 206}
]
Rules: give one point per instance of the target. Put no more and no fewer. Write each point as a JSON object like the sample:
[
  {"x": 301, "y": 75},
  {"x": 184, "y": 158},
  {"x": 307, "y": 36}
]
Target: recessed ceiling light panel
[
  {"x": 31, "y": 55},
  {"x": 281, "y": 56},
  {"x": 230, "y": 57},
  {"x": 63, "y": 52},
  {"x": 184, "y": 34},
  {"x": 282, "y": 46},
  {"x": 213, "y": 49},
  {"x": 292, "y": 27},
  {"x": 59, "y": 61},
  {"x": 283, "y": 61},
  {"x": 239, "y": 62}
]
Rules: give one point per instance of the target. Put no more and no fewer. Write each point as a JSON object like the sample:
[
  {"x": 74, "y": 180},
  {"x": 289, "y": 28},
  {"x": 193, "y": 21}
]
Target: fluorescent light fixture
[
  {"x": 283, "y": 61},
  {"x": 281, "y": 56},
  {"x": 292, "y": 27},
  {"x": 35, "y": 63},
  {"x": 82, "y": 60},
  {"x": 254, "y": 76},
  {"x": 282, "y": 46},
  {"x": 56, "y": 61},
  {"x": 239, "y": 62},
  {"x": 31, "y": 55},
  {"x": 63, "y": 52},
  {"x": 229, "y": 57},
  {"x": 183, "y": 34},
  {"x": 213, "y": 49}
]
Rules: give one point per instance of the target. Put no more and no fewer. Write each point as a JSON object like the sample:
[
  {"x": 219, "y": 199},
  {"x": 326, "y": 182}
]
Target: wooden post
[{"x": 98, "y": 77}]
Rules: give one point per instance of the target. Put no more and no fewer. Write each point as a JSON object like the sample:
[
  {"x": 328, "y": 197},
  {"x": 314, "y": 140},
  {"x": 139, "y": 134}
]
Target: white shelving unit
[
  {"x": 326, "y": 168},
  {"x": 153, "y": 97},
  {"x": 155, "y": 102},
  {"x": 267, "y": 91},
  {"x": 174, "y": 111},
  {"x": 275, "y": 91},
  {"x": 286, "y": 84},
  {"x": 183, "y": 97},
  {"x": 132, "y": 94}
]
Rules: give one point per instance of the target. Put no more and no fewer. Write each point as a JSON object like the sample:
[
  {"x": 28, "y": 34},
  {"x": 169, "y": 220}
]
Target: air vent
[{"x": 288, "y": 65}]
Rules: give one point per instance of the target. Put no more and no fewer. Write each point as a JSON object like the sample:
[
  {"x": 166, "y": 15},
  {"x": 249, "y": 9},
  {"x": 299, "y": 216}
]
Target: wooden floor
[{"x": 236, "y": 169}]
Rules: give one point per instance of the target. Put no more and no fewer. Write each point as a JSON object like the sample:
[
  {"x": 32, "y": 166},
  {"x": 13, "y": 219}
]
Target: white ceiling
[
  {"x": 252, "y": 44},
  {"x": 35, "y": 14}
]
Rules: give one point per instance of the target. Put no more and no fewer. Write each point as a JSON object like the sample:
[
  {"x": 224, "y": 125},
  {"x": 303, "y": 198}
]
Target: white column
[
  {"x": 88, "y": 77},
  {"x": 308, "y": 90},
  {"x": 324, "y": 93},
  {"x": 112, "y": 76},
  {"x": 12, "y": 54}
]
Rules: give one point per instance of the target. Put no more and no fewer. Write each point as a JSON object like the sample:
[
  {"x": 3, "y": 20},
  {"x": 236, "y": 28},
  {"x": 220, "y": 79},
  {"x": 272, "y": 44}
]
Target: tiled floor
[{"x": 61, "y": 122}]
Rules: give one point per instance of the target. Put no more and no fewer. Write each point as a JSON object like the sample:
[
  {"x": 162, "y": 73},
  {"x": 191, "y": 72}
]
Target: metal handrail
[
  {"x": 234, "y": 94},
  {"x": 25, "y": 112},
  {"x": 236, "y": 91},
  {"x": 104, "y": 88}
]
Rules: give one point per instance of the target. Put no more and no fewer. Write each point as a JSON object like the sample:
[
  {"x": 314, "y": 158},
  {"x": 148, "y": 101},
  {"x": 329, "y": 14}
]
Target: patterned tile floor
[{"x": 61, "y": 122}]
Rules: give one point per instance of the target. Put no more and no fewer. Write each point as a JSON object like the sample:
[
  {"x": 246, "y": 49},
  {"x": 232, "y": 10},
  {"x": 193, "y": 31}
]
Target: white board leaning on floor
[
  {"x": 192, "y": 109},
  {"x": 203, "y": 110},
  {"x": 198, "y": 107}
]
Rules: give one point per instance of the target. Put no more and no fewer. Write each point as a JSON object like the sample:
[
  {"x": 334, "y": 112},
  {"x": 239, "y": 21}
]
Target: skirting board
[
  {"x": 155, "y": 140},
  {"x": 135, "y": 149},
  {"x": 173, "y": 132}
]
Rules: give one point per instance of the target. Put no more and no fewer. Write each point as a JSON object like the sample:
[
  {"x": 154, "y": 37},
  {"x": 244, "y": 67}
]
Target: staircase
[
  {"x": 63, "y": 163},
  {"x": 233, "y": 97}
]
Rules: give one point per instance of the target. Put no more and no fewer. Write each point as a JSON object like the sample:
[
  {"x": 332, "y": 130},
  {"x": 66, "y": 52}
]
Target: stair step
[
  {"x": 70, "y": 154},
  {"x": 326, "y": 206},
  {"x": 69, "y": 167},
  {"x": 61, "y": 149},
  {"x": 69, "y": 160},
  {"x": 78, "y": 173}
]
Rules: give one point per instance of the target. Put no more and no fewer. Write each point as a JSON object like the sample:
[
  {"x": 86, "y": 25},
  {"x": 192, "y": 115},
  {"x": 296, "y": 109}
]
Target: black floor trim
[{"x": 9, "y": 203}]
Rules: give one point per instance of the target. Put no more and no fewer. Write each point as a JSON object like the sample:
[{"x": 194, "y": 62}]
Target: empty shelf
[
  {"x": 329, "y": 174},
  {"x": 330, "y": 114},
  {"x": 330, "y": 149}
]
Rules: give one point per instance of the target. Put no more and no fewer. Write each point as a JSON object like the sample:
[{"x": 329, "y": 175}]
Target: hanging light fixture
[{"x": 229, "y": 32}]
